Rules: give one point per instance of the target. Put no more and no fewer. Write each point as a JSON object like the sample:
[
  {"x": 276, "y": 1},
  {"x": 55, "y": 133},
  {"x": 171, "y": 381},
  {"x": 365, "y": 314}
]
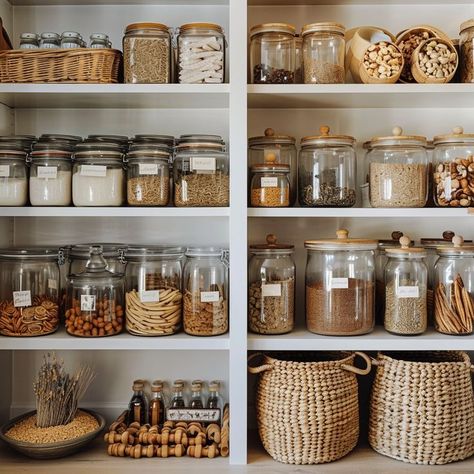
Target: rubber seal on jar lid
[
  {"x": 269, "y": 138},
  {"x": 467, "y": 24},
  {"x": 49, "y": 253},
  {"x": 272, "y": 28},
  {"x": 201, "y": 26},
  {"x": 146, "y": 26},
  {"x": 398, "y": 139},
  {"x": 204, "y": 252},
  {"x": 165, "y": 251},
  {"x": 342, "y": 242},
  {"x": 405, "y": 248},
  {"x": 272, "y": 244},
  {"x": 325, "y": 26},
  {"x": 457, "y": 136},
  {"x": 325, "y": 138}
]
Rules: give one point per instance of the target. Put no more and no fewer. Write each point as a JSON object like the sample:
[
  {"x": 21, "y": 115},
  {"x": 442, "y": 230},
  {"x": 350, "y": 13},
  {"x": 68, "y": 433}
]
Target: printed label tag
[
  {"x": 147, "y": 168},
  {"x": 447, "y": 188},
  {"x": 50, "y": 172},
  {"x": 206, "y": 415},
  {"x": 150, "y": 296},
  {"x": 87, "y": 302},
  {"x": 184, "y": 190},
  {"x": 268, "y": 182},
  {"x": 408, "y": 292},
  {"x": 93, "y": 170},
  {"x": 52, "y": 284},
  {"x": 21, "y": 298},
  {"x": 203, "y": 164},
  {"x": 339, "y": 283},
  {"x": 4, "y": 171},
  {"x": 209, "y": 296},
  {"x": 273, "y": 289}
]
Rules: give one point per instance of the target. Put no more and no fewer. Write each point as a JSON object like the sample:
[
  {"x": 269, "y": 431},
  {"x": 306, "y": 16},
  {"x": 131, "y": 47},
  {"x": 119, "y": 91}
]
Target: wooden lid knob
[
  {"x": 324, "y": 130},
  {"x": 269, "y": 132},
  {"x": 405, "y": 241},
  {"x": 271, "y": 239},
  {"x": 396, "y": 234},
  {"x": 397, "y": 131},
  {"x": 270, "y": 157},
  {"x": 342, "y": 234},
  {"x": 448, "y": 235},
  {"x": 458, "y": 130},
  {"x": 458, "y": 240}
]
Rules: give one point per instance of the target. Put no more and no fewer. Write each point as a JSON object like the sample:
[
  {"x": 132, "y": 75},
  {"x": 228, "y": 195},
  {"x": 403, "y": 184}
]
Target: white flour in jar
[
  {"x": 107, "y": 190},
  {"x": 13, "y": 191},
  {"x": 51, "y": 191}
]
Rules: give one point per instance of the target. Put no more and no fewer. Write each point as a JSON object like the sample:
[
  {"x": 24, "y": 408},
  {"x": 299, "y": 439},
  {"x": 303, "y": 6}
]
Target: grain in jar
[{"x": 270, "y": 185}]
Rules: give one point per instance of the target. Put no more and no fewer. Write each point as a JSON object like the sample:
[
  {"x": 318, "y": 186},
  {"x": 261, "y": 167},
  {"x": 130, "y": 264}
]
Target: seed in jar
[
  {"x": 148, "y": 191},
  {"x": 407, "y": 46},
  {"x": 436, "y": 60},
  {"x": 383, "y": 60},
  {"x": 270, "y": 197},
  {"x": 328, "y": 196},
  {"x": 202, "y": 190},
  {"x": 318, "y": 72},
  {"x": 263, "y": 74}
]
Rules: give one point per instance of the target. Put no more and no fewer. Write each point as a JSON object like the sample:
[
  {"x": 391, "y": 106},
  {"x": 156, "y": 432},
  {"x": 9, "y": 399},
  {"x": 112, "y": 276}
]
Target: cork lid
[
  {"x": 214, "y": 386},
  {"x": 457, "y": 136},
  {"x": 398, "y": 139},
  {"x": 327, "y": 139},
  {"x": 342, "y": 242},
  {"x": 467, "y": 24},
  {"x": 272, "y": 28},
  {"x": 138, "y": 385},
  {"x": 325, "y": 26},
  {"x": 458, "y": 248},
  {"x": 157, "y": 386},
  {"x": 405, "y": 250},
  {"x": 145, "y": 26},
  {"x": 269, "y": 138},
  {"x": 271, "y": 246},
  {"x": 178, "y": 383},
  {"x": 196, "y": 385}
]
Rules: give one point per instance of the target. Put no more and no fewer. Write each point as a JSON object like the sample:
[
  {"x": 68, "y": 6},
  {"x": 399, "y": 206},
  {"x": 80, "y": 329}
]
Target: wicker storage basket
[
  {"x": 422, "y": 407},
  {"x": 307, "y": 405},
  {"x": 60, "y": 65}
]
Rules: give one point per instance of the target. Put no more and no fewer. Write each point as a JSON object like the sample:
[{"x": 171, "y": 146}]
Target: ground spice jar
[
  {"x": 270, "y": 185},
  {"x": 271, "y": 308},
  {"x": 13, "y": 175},
  {"x": 466, "y": 48},
  {"x": 340, "y": 285},
  {"x": 406, "y": 285},
  {"x": 327, "y": 170},
  {"x": 272, "y": 54}
]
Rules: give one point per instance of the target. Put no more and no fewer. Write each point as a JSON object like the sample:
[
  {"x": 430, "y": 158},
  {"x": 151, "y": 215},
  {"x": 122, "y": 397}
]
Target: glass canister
[
  {"x": 50, "y": 40},
  {"x": 29, "y": 291},
  {"x": 270, "y": 185},
  {"x": 95, "y": 299},
  {"x": 324, "y": 49},
  {"x": 201, "y": 175},
  {"x": 466, "y": 49},
  {"x": 99, "y": 41},
  {"x": 453, "y": 169},
  {"x": 271, "y": 287},
  {"x": 98, "y": 175},
  {"x": 454, "y": 288},
  {"x": 406, "y": 285},
  {"x": 277, "y": 149},
  {"x": 13, "y": 175},
  {"x": 147, "y": 54},
  {"x": 206, "y": 290},
  {"x": 398, "y": 170},
  {"x": 272, "y": 54},
  {"x": 148, "y": 180},
  {"x": 327, "y": 170},
  {"x": 71, "y": 40},
  {"x": 340, "y": 285},
  {"x": 201, "y": 54},
  {"x": 153, "y": 290},
  {"x": 29, "y": 41}
]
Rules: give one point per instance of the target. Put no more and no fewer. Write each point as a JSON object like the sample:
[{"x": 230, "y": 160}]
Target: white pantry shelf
[
  {"x": 253, "y": 3},
  {"x": 118, "y": 2}
]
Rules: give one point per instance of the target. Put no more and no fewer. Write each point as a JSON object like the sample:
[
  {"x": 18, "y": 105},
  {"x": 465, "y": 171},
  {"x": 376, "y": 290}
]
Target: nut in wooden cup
[{"x": 379, "y": 68}]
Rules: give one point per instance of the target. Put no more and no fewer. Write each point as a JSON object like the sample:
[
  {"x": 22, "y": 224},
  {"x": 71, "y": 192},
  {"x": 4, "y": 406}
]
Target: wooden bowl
[{"x": 50, "y": 450}]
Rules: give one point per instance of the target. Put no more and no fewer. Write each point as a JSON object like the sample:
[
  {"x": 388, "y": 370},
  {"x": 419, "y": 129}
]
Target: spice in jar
[{"x": 270, "y": 185}]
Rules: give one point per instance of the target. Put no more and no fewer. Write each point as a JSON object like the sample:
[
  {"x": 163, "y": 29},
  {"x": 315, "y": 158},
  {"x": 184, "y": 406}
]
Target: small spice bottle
[
  {"x": 50, "y": 40},
  {"x": 466, "y": 48},
  {"x": 137, "y": 406},
  {"x": 178, "y": 400},
  {"x": 29, "y": 41},
  {"x": 270, "y": 185},
  {"x": 71, "y": 40},
  {"x": 214, "y": 399},
  {"x": 196, "y": 394},
  {"x": 406, "y": 285},
  {"x": 157, "y": 404}
]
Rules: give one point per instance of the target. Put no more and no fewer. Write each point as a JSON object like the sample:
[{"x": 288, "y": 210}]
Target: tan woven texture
[
  {"x": 422, "y": 407},
  {"x": 307, "y": 406},
  {"x": 60, "y": 65}
]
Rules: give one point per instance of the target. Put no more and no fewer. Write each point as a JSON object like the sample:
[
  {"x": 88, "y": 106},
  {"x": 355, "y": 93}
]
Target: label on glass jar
[
  {"x": 150, "y": 296},
  {"x": 147, "y": 168},
  {"x": 269, "y": 182},
  {"x": 4, "y": 171},
  {"x": 88, "y": 302},
  {"x": 339, "y": 283},
  {"x": 408, "y": 292},
  {"x": 273, "y": 289},
  {"x": 21, "y": 298},
  {"x": 52, "y": 284},
  {"x": 209, "y": 296},
  {"x": 203, "y": 164},
  {"x": 447, "y": 187},
  {"x": 49, "y": 172},
  {"x": 93, "y": 170}
]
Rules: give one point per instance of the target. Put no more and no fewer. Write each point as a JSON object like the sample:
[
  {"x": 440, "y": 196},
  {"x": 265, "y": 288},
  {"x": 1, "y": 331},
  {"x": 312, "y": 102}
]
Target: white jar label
[
  {"x": 21, "y": 298},
  {"x": 273, "y": 289},
  {"x": 339, "y": 283},
  {"x": 447, "y": 187},
  {"x": 52, "y": 284},
  {"x": 209, "y": 296},
  {"x": 50, "y": 172},
  {"x": 150, "y": 296},
  {"x": 4, "y": 171},
  {"x": 93, "y": 170},
  {"x": 203, "y": 164},
  {"x": 268, "y": 182},
  {"x": 408, "y": 292},
  {"x": 88, "y": 302},
  {"x": 147, "y": 168}
]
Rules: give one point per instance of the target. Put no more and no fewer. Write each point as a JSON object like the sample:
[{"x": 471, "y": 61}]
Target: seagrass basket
[
  {"x": 80, "y": 65},
  {"x": 307, "y": 405},
  {"x": 422, "y": 407}
]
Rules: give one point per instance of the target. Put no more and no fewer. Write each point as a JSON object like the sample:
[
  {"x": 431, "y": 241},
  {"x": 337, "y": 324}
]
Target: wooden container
[{"x": 367, "y": 79}]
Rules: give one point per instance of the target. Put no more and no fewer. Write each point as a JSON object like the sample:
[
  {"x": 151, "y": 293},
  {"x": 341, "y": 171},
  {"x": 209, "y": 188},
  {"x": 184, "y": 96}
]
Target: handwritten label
[
  {"x": 208, "y": 415},
  {"x": 209, "y": 296},
  {"x": 203, "y": 164},
  {"x": 21, "y": 298},
  {"x": 88, "y": 302},
  {"x": 47, "y": 172},
  {"x": 52, "y": 284},
  {"x": 408, "y": 292},
  {"x": 339, "y": 283},
  {"x": 147, "y": 168},
  {"x": 93, "y": 170},
  {"x": 4, "y": 171},
  {"x": 269, "y": 182},
  {"x": 150, "y": 296},
  {"x": 273, "y": 289}
]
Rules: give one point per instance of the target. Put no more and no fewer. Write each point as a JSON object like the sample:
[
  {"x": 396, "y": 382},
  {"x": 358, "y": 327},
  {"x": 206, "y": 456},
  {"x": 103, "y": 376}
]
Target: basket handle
[
  {"x": 260, "y": 368},
  {"x": 356, "y": 370}
]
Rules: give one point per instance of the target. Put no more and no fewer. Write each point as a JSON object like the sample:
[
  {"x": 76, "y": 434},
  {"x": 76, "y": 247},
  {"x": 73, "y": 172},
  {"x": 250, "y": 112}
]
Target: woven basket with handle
[
  {"x": 422, "y": 407},
  {"x": 307, "y": 405}
]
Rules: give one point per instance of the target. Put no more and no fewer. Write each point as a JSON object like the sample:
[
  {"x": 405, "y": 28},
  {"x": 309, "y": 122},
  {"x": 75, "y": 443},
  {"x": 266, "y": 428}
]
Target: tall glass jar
[
  {"x": 453, "y": 169},
  {"x": 466, "y": 49},
  {"x": 201, "y": 175},
  {"x": 340, "y": 285},
  {"x": 398, "y": 170},
  {"x": 206, "y": 292},
  {"x": 13, "y": 176},
  {"x": 324, "y": 50},
  {"x": 271, "y": 287},
  {"x": 95, "y": 299},
  {"x": 272, "y": 54},
  {"x": 147, "y": 54},
  {"x": 29, "y": 291},
  {"x": 454, "y": 288},
  {"x": 201, "y": 54},
  {"x": 153, "y": 290},
  {"x": 277, "y": 149},
  {"x": 270, "y": 186},
  {"x": 327, "y": 170},
  {"x": 406, "y": 285}
]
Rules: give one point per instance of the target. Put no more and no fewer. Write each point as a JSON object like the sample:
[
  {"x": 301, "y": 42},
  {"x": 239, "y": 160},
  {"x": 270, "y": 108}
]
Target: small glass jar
[
  {"x": 324, "y": 49},
  {"x": 98, "y": 175},
  {"x": 13, "y": 175},
  {"x": 272, "y": 54},
  {"x": 406, "y": 285},
  {"x": 277, "y": 149},
  {"x": 50, "y": 178},
  {"x": 29, "y": 291},
  {"x": 299, "y": 74},
  {"x": 201, "y": 175},
  {"x": 453, "y": 169},
  {"x": 398, "y": 170},
  {"x": 99, "y": 40},
  {"x": 95, "y": 299},
  {"x": 50, "y": 40},
  {"x": 147, "y": 54},
  {"x": 71, "y": 40},
  {"x": 153, "y": 290},
  {"x": 29, "y": 41},
  {"x": 327, "y": 170},
  {"x": 466, "y": 48},
  {"x": 270, "y": 185},
  {"x": 340, "y": 285},
  {"x": 201, "y": 54},
  {"x": 148, "y": 180},
  {"x": 205, "y": 282},
  {"x": 271, "y": 288}
]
